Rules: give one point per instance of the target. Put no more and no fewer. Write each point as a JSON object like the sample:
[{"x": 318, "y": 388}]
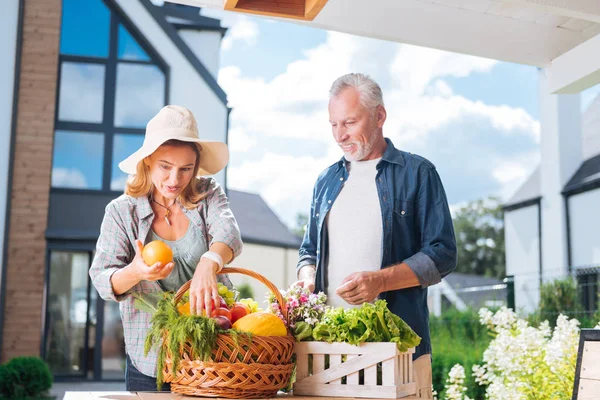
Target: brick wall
[{"x": 31, "y": 179}]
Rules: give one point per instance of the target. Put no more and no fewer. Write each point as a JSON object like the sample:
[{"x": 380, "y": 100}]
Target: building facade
[
  {"x": 84, "y": 80},
  {"x": 551, "y": 223}
]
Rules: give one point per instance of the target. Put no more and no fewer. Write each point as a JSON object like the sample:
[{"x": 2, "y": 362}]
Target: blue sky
[{"x": 475, "y": 119}]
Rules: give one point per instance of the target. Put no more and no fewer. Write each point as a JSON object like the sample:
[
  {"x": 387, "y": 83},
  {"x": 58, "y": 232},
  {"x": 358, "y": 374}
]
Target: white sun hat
[{"x": 176, "y": 122}]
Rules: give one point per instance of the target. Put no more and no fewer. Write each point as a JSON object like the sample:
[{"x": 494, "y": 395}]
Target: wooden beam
[
  {"x": 296, "y": 9},
  {"x": 581, "y": 9},
  {"x": 577, "y": 69}
]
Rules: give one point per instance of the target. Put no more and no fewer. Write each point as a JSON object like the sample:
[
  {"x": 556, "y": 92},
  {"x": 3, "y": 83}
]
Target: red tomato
[
  {"x": 221, "y": 311},
  {"x": 238, "y": 310}
]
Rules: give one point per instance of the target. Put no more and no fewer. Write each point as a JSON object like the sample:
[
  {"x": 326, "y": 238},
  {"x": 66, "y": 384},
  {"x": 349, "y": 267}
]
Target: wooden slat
[
  {"x": 380, "y": 392},
  {"x": 344, "y": 369},
  {"x": 345, "y": 348},
  {"x": 335, "y": 360},
  {"x": 371, "y": 375},
  {"x": 352, "y": 378},
  {"x": 318, "y": 364},
  {"x": 590, "y": 361},
  {"x": 389, "y": 373},
  {"x": 301, "y": 366}
]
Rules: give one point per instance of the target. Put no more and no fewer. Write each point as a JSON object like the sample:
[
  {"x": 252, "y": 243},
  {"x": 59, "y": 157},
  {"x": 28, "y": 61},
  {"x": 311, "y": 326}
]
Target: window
[
  {"x": 110, "y": 85},
  {"x": 67, "y": 338},
  {"x": 123, "y": 146},
  {"x": 78, "y": 160}
]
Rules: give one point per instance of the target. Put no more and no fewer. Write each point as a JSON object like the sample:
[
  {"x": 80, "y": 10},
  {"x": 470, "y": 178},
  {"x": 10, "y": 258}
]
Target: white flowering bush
[{"x": 522, "y": 362}]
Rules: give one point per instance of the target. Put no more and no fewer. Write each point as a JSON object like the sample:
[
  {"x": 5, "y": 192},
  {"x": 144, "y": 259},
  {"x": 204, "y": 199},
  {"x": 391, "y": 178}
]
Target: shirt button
[
  {"x": 329, "y": 201},
  {"x": 402, "y": 212},
  {"x": 317, "y": 215},
  {"x": 341, "y": 179}
]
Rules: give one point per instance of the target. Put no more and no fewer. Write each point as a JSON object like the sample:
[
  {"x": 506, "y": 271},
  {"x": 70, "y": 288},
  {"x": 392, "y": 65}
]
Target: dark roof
[
  {"x": 459, "y": 281},
  {"x": 530, "y": 190},
  {"x": 187, "y": 17},
  {"x": 160, "y": 14},
  {"x": 586, "y": 177},
  {"x": 477, "y": 291},
  {"x": 258, "y": 223}
]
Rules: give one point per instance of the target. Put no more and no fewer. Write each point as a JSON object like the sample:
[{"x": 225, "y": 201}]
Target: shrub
[
  {"x": 557, "y": 297},
  {"x": 457, "y": 337},
  {"x": 25, "y": 378}
]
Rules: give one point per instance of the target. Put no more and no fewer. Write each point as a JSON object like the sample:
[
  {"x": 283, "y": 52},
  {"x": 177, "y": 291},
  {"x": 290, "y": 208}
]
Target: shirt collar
[{"x": 143, "y": 208}]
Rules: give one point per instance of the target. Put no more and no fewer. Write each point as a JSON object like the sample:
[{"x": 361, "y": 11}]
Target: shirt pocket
[{"x": 404, "y": 209}]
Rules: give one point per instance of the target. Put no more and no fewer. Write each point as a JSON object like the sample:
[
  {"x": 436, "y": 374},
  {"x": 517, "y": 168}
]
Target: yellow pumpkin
[{"x": 262, "y": 324}]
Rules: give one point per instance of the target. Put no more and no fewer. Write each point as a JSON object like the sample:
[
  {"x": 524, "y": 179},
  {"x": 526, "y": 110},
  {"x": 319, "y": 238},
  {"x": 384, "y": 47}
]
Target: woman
[{"x": 166, "y": 199}]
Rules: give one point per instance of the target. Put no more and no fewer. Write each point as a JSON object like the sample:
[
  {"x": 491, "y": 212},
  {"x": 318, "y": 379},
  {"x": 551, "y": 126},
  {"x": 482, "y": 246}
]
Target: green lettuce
[{"x": 369, "y": 323}]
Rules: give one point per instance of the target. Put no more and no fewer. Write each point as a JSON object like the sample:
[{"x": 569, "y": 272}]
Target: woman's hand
[
  {"x": 149, "y": 272},
  {"x": 203, "y": 289},
  {"x": 126, "y": 278}
]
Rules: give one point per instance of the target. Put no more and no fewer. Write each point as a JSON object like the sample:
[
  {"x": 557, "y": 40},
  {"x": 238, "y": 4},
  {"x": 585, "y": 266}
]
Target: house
[
  {"x": 533, "y": 237},
  {"x": 85, "y": 78},
  {"x": 550, "y": 232},
  {"x": 462, "y": 291}
]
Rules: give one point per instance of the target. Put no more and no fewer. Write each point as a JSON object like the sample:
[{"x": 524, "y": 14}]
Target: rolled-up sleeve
[
  {"x": 307, "y": 254},
  {"x": 221, "y": 224},
  {"x": 438, "y": 255},
  {"x": 113, "y": 252}
]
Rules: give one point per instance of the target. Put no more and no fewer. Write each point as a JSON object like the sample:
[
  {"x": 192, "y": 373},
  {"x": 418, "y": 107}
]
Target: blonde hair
[{"x": 141, "y": 183}]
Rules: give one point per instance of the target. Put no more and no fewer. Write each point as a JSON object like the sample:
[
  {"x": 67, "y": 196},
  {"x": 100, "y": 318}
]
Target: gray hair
[{"x": 370, "y": 92}]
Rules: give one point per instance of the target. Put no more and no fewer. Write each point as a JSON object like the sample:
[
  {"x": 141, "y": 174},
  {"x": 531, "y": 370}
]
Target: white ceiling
[{"x": 533, "y": 32}]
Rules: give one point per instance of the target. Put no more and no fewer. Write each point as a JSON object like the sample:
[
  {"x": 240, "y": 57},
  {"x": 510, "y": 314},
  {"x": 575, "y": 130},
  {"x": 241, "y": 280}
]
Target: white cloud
[
  {"x": 424, "y": 116},
  {"x": 282, "y": 181},
  {"x": 240, "y": 141},
  {"x": 81, "y": 96},
  {"x": 241, "y": 28},
  {"x": 68, "y": 178}
]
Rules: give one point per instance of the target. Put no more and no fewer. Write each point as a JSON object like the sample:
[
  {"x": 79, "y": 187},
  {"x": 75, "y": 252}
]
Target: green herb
[{"x": 170, "y": 331}]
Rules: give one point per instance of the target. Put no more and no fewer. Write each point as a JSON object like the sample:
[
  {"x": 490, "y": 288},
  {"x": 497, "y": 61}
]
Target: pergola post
[{"x": 561, "y": 155}]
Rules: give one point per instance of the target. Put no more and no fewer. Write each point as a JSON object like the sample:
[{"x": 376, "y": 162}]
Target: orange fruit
[
  {"x": 157, "y": 251},
  {"x": 184, "y": 309}
]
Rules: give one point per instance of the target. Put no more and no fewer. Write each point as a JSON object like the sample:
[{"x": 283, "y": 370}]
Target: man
[{"x": 379, "y": 224}]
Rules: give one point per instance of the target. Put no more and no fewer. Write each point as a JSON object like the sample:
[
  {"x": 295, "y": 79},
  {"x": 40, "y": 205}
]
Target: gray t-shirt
[{"x": 186, "y": 255}]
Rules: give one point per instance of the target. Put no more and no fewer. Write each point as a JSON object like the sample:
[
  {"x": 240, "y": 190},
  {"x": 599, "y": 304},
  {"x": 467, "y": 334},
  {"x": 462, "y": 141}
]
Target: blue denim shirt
[{"x": 417, "y": 230}]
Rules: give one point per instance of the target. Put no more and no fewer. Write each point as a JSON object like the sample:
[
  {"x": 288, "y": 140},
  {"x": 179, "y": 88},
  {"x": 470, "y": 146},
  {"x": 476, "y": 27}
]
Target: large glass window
[
  {"x": 78, "y": 160},
  {"x": 109, "y": 84},
  {"x": 85, "y": 28},
  {"x": 140, "y": 94},
  {"x": 81, "y": 93},
  {"x": 123, "y": 146}
]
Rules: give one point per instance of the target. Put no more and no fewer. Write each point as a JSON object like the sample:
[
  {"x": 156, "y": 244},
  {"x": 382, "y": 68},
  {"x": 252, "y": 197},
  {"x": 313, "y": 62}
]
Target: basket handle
[{"x": 243, "y": 271}]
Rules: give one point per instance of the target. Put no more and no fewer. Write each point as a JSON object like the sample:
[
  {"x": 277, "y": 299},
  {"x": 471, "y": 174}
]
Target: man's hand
[
  {"x": 361, "y": 287},
  {"x": 306, "y": 278}
]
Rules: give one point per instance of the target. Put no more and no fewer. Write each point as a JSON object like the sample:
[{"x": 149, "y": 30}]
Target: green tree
[
  {"x": 479, "y": 228},
  {"x": 301, "y": 221}
]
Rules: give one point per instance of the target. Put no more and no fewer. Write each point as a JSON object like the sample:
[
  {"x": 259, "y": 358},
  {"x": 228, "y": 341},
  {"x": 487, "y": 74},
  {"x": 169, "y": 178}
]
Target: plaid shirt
[{"x": 129, "y": 218}]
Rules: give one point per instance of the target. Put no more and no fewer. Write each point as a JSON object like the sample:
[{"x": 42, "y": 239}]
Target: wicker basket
[{"x": 238, "y": 369}]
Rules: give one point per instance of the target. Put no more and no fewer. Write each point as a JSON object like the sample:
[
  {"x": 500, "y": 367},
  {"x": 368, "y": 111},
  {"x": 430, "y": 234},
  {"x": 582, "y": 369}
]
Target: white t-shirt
[{"x": 354, "y": 229}]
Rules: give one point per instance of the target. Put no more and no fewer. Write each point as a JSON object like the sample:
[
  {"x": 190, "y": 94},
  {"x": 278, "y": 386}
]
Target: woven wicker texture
[{"x": 239, "y": 367}]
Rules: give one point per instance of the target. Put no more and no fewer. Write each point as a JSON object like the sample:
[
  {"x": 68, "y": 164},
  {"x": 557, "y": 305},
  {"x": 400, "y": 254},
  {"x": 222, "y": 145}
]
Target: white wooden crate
[{"x": 396, "y": 379}]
